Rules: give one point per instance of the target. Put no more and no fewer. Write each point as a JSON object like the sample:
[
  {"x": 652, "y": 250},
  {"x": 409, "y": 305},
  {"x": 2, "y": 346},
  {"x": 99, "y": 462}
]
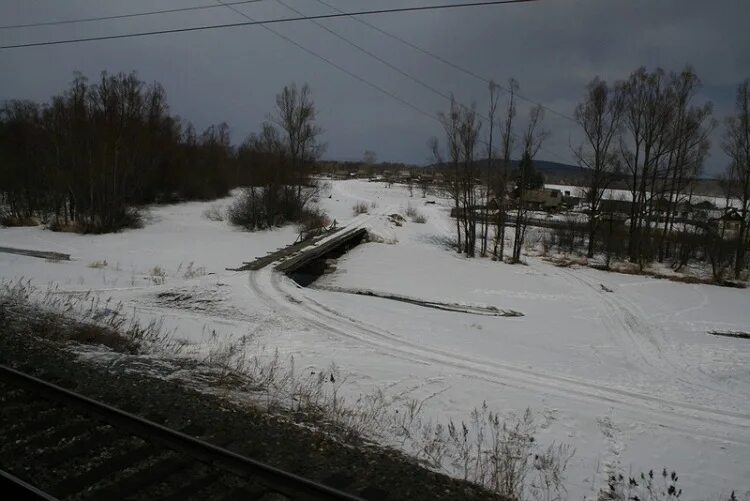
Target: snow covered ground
[{"x": 629, "y": 377}]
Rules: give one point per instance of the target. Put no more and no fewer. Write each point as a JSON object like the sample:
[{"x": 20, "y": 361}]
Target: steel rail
[{"x": 285, "y": 482}]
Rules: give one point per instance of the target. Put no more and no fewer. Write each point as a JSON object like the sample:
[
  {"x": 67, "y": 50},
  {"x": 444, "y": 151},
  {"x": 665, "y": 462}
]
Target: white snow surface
[{"x": 630, "y": 378}]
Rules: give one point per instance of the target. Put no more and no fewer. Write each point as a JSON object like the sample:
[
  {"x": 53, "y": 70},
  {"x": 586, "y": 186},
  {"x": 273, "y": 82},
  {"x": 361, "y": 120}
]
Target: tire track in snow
[
  {"x": 271, "y": 288},
  {"x": 625, "y": 313}
]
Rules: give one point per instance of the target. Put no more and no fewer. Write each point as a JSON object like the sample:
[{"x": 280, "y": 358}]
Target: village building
[
  {"x": 729, "y": 224},
  {"x": 548, "y": 199}
]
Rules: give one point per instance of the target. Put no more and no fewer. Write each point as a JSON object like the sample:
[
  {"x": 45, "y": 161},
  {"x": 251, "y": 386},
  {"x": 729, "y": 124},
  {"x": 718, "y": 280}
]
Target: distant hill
[
  {"x": 559, "y": 173},
  {"x": 573, "y": 175},
  {"x": 553, "y": 172}
]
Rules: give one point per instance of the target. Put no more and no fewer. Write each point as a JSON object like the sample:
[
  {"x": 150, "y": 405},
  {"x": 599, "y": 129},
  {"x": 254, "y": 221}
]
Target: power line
[
  {"x": 441, "y": 59},
  {"x": 121, "y": 16},
  {"x": 362, "y": 79},
  {"x": 335, "y": 65},
  {"x": 395, "y": 68},
  {"x": 370, "y": 54},
  {"x": 421, "y": 8}
]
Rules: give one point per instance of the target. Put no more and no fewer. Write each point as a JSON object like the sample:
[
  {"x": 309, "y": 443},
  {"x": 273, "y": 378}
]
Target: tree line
[
  {"x": 87, "y": 158},
  {"x": 649, "y": 129}
]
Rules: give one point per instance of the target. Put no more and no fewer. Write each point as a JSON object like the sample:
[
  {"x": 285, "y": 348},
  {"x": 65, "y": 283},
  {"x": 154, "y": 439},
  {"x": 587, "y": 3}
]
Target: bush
[
  {"x": 313, "y": 223},
  {"x": 247, "y": 210},
  {"x": 415, "y": 215},
  {"x": 214, "y": 213},
  {"x": 261, "y": 208},
  {"x": 360, "y": 208},
  {"x": 125, "y": 218},
  {"x": 11, "y": 221}
]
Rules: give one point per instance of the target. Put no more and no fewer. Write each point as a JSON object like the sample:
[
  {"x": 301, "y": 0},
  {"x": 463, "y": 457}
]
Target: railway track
[{"x": 58, "y": 444}]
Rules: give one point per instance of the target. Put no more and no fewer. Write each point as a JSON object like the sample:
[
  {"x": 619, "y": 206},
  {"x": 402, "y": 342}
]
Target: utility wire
[
  {"x": 121, "y": 16},
  {"x": 335, "y": 65},
  {"x": 370, "y": 54},
  {"x": 441, "y": 59},
  {"x": 364, "y": 80},
  {"x": 421, "y": 8},
  {"x": 411, "y": 77}
]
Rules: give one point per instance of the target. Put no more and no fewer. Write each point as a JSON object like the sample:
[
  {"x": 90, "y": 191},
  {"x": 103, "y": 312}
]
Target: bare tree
[
  {"x": 369, "y": 159},
  {"x": 487, "y": 188},
  {"x": 501, "y": 186},
  {"x": 295, "y": 115},
  {"x": 599, "y": 116},
  {"x": 649, "y": 108},
  {"x": 533, "y": 138},
  {"x": 451, "y": 126},
  {"x": 737, "y": 145},
  {"x": 689, "y": 132},
  {"x": 469, "y": 129}
]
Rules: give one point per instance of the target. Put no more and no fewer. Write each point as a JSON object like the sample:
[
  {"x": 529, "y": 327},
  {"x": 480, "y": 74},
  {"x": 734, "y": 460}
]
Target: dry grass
[
  {"x": 191, "y": 271},
  {"x": 498, "y": 452},
  {"x": 215, "y": 212},
  {"x": 81, "y": 317},
  {"x": 157, "y": 275},
  {"x": 13, "y": 221},
  {"x": 360, "y": 208}
]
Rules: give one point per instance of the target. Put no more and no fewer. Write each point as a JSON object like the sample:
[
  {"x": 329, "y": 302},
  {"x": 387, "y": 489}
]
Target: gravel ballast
[{"x": 133, "y": 383}]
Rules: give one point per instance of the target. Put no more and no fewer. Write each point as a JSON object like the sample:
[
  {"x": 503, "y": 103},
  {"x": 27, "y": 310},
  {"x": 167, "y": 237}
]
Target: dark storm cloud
[{"x": 552, "y": 47}]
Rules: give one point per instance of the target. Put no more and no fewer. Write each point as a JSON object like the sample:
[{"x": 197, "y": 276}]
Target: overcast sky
[{"x": 552, "y": 47}]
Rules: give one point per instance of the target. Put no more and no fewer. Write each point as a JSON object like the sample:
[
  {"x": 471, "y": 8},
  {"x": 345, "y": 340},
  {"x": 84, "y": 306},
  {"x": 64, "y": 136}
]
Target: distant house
[
  {"x": 609, "y": 206},
  {"x": 571, "y": 202},
  {"x": 340, "y": 173},
  {"x": 729, "y": 224},
  {"x": 543, "y": 199},
  {"x": 426, "y": 177},
  {"x": 705, "y": 211}
]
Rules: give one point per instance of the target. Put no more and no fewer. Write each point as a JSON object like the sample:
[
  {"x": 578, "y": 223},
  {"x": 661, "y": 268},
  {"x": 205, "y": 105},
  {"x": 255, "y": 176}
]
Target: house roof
[{"x": 731, "y": 215}]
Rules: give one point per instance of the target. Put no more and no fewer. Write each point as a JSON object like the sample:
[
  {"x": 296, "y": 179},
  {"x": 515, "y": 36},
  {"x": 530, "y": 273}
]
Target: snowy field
[{"x": 630, "y": 378}]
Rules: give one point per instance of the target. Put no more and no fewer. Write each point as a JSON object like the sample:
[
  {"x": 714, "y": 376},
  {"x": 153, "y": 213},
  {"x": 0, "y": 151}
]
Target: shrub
[
  {"x": 313, "y": 223},
  {"x": 214, "y": 213},
  {"x": 415, "y": 215},
  {"x": 247, "y": 210},
  {"x": 126, "y": 218},
  {"x": 157, "y": 275},
  {"x": 261, "y": 208},
  {"x": 360, "y": 208},
  {"x": 59, "y": 226}
]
